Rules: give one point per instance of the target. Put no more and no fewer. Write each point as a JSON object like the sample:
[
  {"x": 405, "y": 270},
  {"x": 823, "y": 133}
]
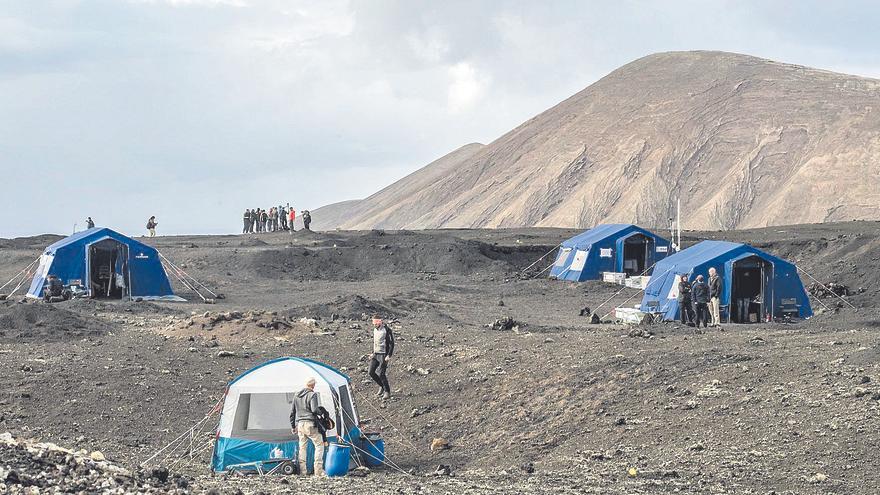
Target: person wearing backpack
[
  {"x": 151, "y": 226},
  {"x": 304, "y": 424}
]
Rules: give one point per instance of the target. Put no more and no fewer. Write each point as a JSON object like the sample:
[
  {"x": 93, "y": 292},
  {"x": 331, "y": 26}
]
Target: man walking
[
  {"x": 304, "y": 424},
  {"x": 715, "y": 296},
  {"x": 383, "y": 349},
  {"x": 685, "y": 308},
  {"x": 700, "y": 293}
]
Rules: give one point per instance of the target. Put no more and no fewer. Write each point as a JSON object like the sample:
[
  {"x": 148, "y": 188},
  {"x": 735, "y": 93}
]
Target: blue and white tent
[
  {"x": 753, "y": 282},
  {"x": 107, "y": 264},
  {"x": 255, "y": 417},
  {"x": 621, "y": 248}
]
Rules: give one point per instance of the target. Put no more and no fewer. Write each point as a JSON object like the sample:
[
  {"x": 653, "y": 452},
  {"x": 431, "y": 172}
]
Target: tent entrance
[
  {"x": 637, "y": 251},
  {"x": 749, "y": 291},
  {"x": 108, "y": 269}
]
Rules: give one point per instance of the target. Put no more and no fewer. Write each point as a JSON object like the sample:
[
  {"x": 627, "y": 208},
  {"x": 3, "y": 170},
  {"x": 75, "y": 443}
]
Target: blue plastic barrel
[
  {"x": 336, "y": 460},
  {"x": 373, "y": 448}
]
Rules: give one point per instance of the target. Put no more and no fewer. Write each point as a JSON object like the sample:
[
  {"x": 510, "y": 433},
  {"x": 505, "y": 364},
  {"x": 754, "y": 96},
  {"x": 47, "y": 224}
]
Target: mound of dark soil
[
  {"x": 349, "y": 307},
  {"x": 365, "y": 262},
  {"x": 30, "y": 322}
]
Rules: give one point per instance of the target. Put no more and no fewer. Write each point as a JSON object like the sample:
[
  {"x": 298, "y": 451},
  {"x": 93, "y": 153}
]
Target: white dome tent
[{"x": 254, "y": 419}]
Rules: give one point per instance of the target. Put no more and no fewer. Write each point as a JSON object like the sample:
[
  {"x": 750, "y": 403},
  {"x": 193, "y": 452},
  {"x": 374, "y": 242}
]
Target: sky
[{"x": 192, "y": 110}]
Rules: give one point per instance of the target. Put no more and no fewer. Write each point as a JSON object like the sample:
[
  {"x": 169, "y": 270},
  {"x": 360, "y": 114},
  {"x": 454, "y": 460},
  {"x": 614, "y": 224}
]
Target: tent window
[
  {"x": 580, "y": 259},
  {"x": 563, "y": 257},
  {"x": 264, "y": 417}
]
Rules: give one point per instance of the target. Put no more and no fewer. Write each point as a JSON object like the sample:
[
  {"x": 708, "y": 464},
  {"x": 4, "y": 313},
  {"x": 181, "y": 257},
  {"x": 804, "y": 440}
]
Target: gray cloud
[{"x": 193, "y": 109}]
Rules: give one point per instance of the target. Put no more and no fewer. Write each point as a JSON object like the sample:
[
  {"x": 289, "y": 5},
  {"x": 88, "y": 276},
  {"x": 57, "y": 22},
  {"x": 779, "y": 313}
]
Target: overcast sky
[{"x": 192, "y": 110}]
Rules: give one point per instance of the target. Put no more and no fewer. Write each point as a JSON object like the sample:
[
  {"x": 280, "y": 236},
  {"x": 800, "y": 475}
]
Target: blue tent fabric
[
  {"x": 67, "y": 259},
  {"x": 602, "y": 248},
  {"x": 661, "y": 292}
]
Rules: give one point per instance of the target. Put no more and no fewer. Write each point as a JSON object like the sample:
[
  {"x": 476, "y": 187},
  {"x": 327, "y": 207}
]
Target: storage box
[
  {"x": 638, "y": 282},
  {"x": 614, "y": 278},
  {"x": 630, "y": 315}
]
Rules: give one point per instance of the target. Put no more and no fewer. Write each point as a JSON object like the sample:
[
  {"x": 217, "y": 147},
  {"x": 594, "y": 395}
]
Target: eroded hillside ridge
[{"x": 743, "y": 141}]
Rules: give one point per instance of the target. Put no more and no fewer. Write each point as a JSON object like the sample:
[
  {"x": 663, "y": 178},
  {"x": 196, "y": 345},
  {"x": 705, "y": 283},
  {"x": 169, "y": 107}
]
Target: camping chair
[{"x": 790, "y": 308}]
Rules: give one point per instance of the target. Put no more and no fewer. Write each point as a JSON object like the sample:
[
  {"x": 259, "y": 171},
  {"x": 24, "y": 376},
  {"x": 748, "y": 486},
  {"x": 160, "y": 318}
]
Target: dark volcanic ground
[{"x": 784, "y": 408}]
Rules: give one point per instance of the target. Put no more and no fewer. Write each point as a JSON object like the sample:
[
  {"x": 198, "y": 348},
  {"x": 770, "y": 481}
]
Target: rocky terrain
[
  {"x": 744, "y": 142},
  {"x": 547, "y": 404}
]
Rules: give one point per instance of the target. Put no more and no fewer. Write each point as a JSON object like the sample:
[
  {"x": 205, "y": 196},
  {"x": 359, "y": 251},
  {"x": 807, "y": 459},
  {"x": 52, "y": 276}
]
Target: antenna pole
[{"x": 678, "y": 222}]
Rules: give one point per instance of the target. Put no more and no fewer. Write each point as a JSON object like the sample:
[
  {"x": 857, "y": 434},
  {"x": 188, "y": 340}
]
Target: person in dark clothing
[
  {"x": 282, "y": 217},
  {"x": 700, "y": 294},
  {"x": 90, "y": 224},
  {"x": 307, "y": 219},
  {"x": 253, "y": 222},
  {"x": 264, "y": 220},
  {"x": 304, "y": 424},
  {"x": 685, "y": 308},
  {"x": 247, "y": 221},
  {"x": 383, "y": 349}
]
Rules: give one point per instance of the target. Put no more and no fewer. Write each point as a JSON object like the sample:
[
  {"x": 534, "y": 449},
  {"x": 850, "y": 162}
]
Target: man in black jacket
[
  {"x": 383, "y": 349},
  {"x": 685, "y": 308},
  {"x": 715, "y": 297},
  {"x": 304, "y": 424},
  {"x": 700, "y": 293}
]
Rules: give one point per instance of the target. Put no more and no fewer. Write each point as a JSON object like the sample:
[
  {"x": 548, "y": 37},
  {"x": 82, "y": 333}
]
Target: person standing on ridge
[
  {"x": 282, "y": 216},
  {"x": 304, "y": 424},
  {"x": 151, "y": 226},
  {"x": 307, "y": 219},
  {"x": 292, "y": 217},
  {"x": 247, "y": 221},
  {"x": 383, "y": 349}
]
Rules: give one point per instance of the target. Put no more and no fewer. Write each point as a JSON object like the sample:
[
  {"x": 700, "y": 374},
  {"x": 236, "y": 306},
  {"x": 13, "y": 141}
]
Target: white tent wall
[{"x": 271, "y": 389}]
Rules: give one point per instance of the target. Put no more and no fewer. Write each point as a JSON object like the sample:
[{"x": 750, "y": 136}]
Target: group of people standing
[
  {"x": 700, "y": 302},
  {"x": 276, "y": 219}
]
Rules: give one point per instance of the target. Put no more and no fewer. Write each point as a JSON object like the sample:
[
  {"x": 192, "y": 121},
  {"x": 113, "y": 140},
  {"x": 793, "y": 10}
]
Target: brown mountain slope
[
  {"x": 404, "y": 197},
  {"x": 743, "y": 141}
]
